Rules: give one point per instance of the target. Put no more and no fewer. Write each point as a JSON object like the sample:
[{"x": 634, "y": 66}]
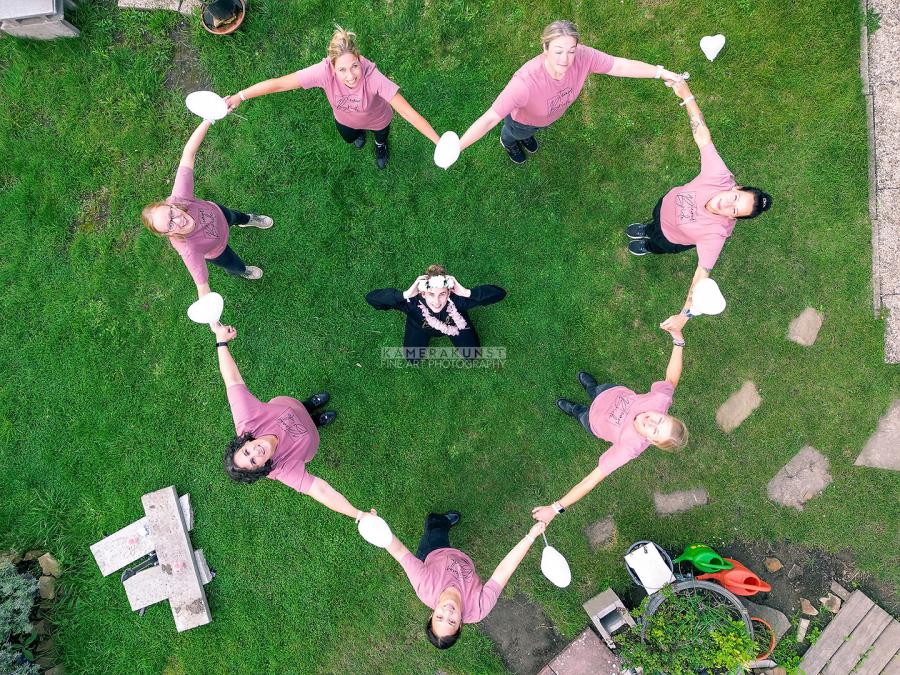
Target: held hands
[
  {"x": 674, "y": 324},
  {"x": 225, "y": 333},
  {"x": 413, "y": 290},
  {"x": 536, "y": 530},
  {"x": 680, "y": 88},
  {"x": 233, "y": 101},
  {"x": 544, "y": 515},
  {"x": 362, "y": 515}
]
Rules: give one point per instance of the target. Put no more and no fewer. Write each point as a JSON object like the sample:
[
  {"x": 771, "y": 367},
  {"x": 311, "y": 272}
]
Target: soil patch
[
  {"x": 186, "y": 73},
  {"x": 522, "y": 634}
]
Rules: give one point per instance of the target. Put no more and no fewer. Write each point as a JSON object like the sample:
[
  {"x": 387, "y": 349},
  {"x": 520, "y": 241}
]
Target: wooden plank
[
  {"x": 887, "y": 644},
  {"x": 862, "y": 637},
  {"x": 835, "y": 633},
  {"x": 148, "y": 586},
  {"x": 132, "y": 541},
  {"x": 893, "y": 668},
  {"x": 181, "y": 577}
]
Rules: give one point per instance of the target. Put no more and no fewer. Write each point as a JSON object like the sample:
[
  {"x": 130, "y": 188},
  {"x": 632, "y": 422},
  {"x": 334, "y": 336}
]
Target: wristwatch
[{"x": 557, "y": 507}]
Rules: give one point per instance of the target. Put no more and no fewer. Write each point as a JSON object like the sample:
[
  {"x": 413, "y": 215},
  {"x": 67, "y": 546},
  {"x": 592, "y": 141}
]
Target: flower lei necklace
[{"x": 442, "y": 326}]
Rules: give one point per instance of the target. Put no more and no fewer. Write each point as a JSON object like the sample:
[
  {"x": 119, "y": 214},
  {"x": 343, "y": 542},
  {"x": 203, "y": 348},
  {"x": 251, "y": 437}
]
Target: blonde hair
[
  {"x": 342, "y": 42},
  {"x": 678, "y": 439},
  {"x": 435, "y": 271},
  {"x": 147, "y": 217},
  {"x": 559, "y": 29}
]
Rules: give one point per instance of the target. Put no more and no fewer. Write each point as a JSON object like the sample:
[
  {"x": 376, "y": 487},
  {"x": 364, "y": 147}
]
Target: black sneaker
[
  {"x": 453, "y": 517},
  {"x": 381, "y": 155},
  {"x": 325, "y": 418},
  {"x": 360, "y": 141},
  {"x": 586, "y": 380},
  {"x": 530, "y": 144},
  {"x": 318, "y": 400},
  {"x": 638, "y": 247},
  {"x": 636, "y": 231},
  {"x": 515, "y": 153},
  {"x": 567, "y": 406}
]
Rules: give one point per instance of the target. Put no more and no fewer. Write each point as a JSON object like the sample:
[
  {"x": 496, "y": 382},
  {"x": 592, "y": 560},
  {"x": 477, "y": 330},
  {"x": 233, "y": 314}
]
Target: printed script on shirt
[
  {"x": 208, "y": 223},
  {"x": 291, "y": 425},
  {"x": 686, "y": 203},
  {"x": 460, "y": 569},
  {"x": 560, "y": 101},
  {"x": 620, "y": 409},
  {"x": 348, "y": 103}
]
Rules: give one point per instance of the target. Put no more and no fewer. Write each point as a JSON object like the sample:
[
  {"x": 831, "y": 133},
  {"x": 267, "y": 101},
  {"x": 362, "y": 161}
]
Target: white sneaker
[
  {"x": 252, "y": 272},
  {"x": 262, "y": 222}
]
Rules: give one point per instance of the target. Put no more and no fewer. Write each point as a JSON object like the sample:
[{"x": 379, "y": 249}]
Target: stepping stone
[
  {"x": 676, "y": 502},
  {"x": 601, "y": 534},
  {"x": 805, "y": 328},
  {"x": 779, "y": 622},
  {"x": 738, "y": 408},
  {"x": 522, "y": 634},
  {"x": 801, "y": 479},
  {"x": 186, "y": 7},
  {"x": 882, "y": 450},
  {"x": 587, "y": 655}
]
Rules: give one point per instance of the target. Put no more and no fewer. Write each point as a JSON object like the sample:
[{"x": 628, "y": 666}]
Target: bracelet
[
  {"x": 241, "y": 95},
  {"x": 659, "y": 70},
  {"x": 359, "y": 515},
  {"x": 678, "y": 344},
  {"x": 687, "y": 100},
  {"x": 557, "y": 507},
  {"x": 221, "y": 344},
  {"x": 687, "y": 313}
]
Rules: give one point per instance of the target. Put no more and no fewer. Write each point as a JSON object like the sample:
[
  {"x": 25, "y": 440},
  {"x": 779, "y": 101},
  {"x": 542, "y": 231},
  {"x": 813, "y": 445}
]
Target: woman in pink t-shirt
[
  {"x": 198, "y": 229},
  {"x": 361, "y": 97},
  {"x": 445, "y": 579},
  {"x": 276, "y": 439},
  {"x": 544, "y": 88},
  {"x": 631, "y": 422},
  {"x": 701, "y": 214}
]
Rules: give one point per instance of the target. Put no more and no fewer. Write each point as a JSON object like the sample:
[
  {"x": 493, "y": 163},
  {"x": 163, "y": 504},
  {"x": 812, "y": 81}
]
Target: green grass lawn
[{"x": 110, "y": 392}]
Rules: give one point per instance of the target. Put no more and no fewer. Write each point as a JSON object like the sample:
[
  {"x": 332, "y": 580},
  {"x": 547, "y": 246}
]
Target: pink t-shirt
[
  {"x": 612, "y": 416},
  {"x": 210, "y": 235},
  {"x": 366, "y": 106},
  {"x": 450, "y": 567},
  {"x": 286, "y": 419},
  {"x": 533, "y": 97},
  {"x": 683, "y": 214}
]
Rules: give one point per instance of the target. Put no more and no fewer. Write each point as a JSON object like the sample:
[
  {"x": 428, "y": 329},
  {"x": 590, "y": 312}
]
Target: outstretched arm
[
  {"x": 227, "y": 367},
  {"x": 546, "y": 514},
  {"x": 479, "y": 128},
  {"x": 509, "y": 564},
  {"x": 323, "y": 493},
  {"x": 630, "y": 68},
  {"x": 397, "y": 549},
  {"x": 698, "y": 124},
  {"x": 273, "y": 86},
  {"x": 407, "y": 112},
  {"x": 673, "y": 370},
  {"x": 193, "y": 144}
]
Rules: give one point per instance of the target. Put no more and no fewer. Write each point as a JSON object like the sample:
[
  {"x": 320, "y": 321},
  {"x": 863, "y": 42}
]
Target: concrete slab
[
  {"x": 805, "y": 328},
  {"x": 884, "y": 49},
  {"x": 676, "y": 502},
  {"x": 882, "y": 450},
  {"x": 186, "y": 7},
  {"x": 738, "y": 407},
  {"x": 888, "y": 242},
  {"x": 891, "y": 304},
  {"x": 886, "y": 103},
  {"x": 39, "y": 29},
  {"x": 148, "y": 586},
  {"x": 601, "y": 534},
  {"x": 586, "y": 655},
  {"x": 176, "y": 559},
  {"x": 801, "y": 479}
]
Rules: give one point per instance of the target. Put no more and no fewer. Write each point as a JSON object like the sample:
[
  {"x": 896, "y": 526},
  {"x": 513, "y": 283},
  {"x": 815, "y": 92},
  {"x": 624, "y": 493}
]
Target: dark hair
[
  {"x": 762, "y": 201},
  {"x": 441, "y": 642},
  {"x": 242, "y": 475}
]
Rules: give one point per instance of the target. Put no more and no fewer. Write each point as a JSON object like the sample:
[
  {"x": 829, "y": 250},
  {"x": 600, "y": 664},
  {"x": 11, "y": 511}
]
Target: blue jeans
[
  {"x": 435, "y": 536},
  {"x": 228, "y": 260},
  {"x": 513, "y": 131}
]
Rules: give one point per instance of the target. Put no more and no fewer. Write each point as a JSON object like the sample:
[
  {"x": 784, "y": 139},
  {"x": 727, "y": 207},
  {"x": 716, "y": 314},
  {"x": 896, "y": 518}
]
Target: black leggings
[
  {"x": 435, "y": 536},
  {"x": 416, "y": 339},
  {"x": 656, "y": 240},
  {"x": 582, "y": 411},
  {"x": 228, "y": 260},
  {"x": 350, "y": 134}
]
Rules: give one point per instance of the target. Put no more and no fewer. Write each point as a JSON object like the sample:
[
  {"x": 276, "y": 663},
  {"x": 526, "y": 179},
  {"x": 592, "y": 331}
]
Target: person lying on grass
[
  {"x": 631, "y": 422},
  {"x": 197, "y": 229},
  {"x": 431, "y": 311},
  {"x": 701, "y": 214},
  {"x": 445, "y": 580},
  {"x": 275, "y": 439},
  {"x": 361, "y": 97},
  {"x": 543, "y": 89}
]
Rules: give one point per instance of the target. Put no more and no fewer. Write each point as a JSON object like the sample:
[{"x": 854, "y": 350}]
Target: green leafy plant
[
  {"x": 17, "y": 593},
  {"x": 687, "y": 635}
]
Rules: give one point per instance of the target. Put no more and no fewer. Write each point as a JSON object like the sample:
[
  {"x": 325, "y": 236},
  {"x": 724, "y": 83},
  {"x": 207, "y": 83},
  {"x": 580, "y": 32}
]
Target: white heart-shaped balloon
[
  {"x": 707, "y": 298},
  {"x": 207, "y": 309},
  {"x": 207, "y": 104},
  {"x": 447, "y": 150},
  {"x": 711, "y": 45},
  {"x": 555, "y": 567},
  {"x": 375, "y": 531}
]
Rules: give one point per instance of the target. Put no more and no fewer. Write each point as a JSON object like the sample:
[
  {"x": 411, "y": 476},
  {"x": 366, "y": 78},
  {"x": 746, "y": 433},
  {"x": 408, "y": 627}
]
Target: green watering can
[{"x": 704, "y": 558}]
